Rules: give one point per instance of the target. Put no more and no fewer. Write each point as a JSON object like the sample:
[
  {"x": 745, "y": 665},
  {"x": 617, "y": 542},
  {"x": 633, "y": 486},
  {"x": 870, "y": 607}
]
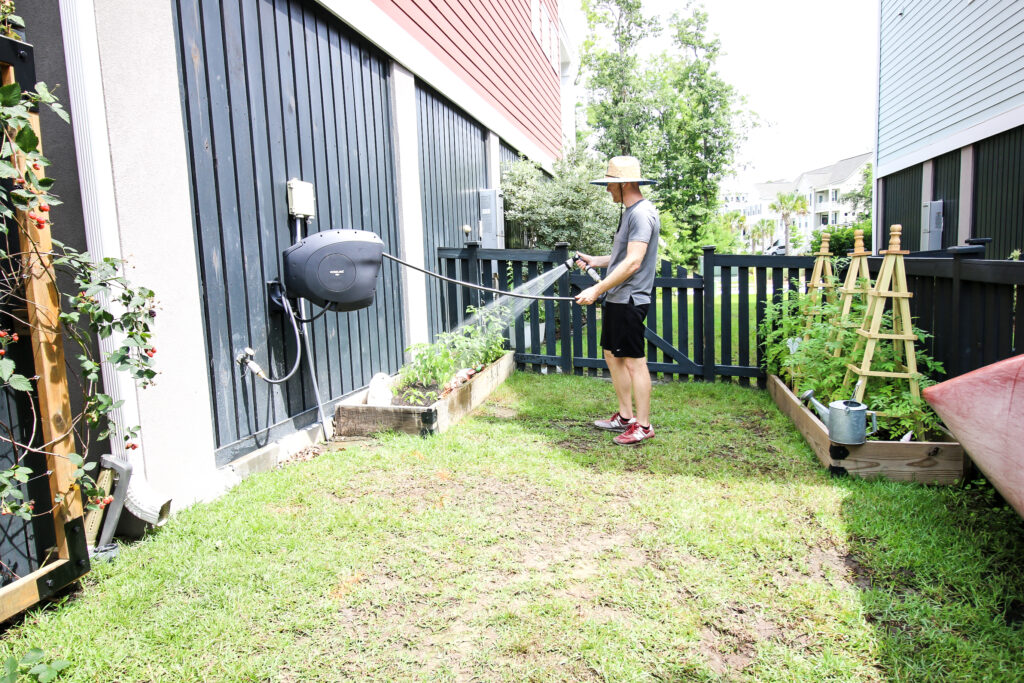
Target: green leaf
[
  {"x": 27, "y": 140},
  {"x": 10, "y": 95},
  {"x": 47, "y": 675},
  {"x": 32, "y": 657},
  {"x": 6, "y": 368},
  {"x": 7, "y": 170},
  {"x": 60, "y": 664},
  {"x": 76, "y": 459},
  {"x": 11, "y": 670},
  {"x": 19, "y": 383},
  {"x": 38, "y": 669}
]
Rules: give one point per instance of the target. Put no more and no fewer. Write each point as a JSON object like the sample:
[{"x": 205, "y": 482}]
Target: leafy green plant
[
  {"x": 475, "y": 344},
  {"x": 104, "y": 304},
  {"x": 806, "y": 346},
  {"x": 32, "y": 667}
]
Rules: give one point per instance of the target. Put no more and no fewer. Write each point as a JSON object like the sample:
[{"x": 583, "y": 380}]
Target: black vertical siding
[
  {"x": 276, "y": 89},
  {"x": 999, "y": 192},
  {"x": 903, "y": 206},
  {"x": 946, "y": 186},
  {"x": 453, "y": 168}
]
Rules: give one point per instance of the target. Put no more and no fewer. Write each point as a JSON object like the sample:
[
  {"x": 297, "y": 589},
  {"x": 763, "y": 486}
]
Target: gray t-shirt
[{"x": 640, "y": 223}]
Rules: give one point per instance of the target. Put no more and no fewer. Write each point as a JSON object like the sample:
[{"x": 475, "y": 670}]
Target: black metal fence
[{"x": 706, "y": 325}]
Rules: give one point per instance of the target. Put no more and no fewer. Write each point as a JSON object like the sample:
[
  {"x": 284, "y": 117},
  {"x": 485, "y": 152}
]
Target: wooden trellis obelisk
[
  {"x": 856, "y": 273},
  {"x": 890, "y": 286}
]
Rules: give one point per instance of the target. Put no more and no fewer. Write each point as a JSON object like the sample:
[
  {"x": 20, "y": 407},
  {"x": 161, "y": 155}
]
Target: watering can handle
[{"x": 874, "y": 422}]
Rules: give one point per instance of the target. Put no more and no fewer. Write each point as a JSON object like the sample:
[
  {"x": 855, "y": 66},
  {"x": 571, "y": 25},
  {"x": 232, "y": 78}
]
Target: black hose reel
[{"x": 334, "y": 269}]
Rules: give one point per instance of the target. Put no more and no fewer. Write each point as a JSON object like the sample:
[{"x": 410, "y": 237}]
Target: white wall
[{"x": 154, "y": 217}]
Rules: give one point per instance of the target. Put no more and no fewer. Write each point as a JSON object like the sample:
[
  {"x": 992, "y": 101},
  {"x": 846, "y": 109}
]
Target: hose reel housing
[{"x": 334, "y": 269}]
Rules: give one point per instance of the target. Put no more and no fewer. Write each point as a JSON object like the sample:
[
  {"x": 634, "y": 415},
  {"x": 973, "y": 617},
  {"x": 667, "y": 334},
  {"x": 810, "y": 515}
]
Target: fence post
[
  {"x": 708, "y": 274},
  {"x": 564, "y": 311},
  {"x": 472, "y": 273},
  {"x": 955, "y": 336}
]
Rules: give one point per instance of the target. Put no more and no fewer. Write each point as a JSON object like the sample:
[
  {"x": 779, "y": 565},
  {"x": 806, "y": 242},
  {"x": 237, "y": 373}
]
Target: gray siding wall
[
  {"x": 277, "y": 89},
  {"x": 453, "y": 168},
  {"x": 944, "y": 66}
]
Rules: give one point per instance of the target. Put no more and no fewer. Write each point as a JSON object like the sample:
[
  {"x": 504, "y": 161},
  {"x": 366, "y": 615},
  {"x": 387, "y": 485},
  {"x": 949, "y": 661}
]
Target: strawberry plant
[{"x": 101, "y": 303}]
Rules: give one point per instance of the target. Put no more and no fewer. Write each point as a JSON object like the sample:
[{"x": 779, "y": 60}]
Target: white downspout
[{"x": 96, "y": 179}]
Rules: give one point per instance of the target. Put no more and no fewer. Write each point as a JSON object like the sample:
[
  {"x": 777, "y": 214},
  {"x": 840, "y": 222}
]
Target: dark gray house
[
  {"x": 189, "y": 119},
  {"x": 950, "y": 128}
]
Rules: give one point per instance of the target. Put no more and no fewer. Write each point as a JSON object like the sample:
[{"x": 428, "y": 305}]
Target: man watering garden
[{"x": 627, "y": 288}]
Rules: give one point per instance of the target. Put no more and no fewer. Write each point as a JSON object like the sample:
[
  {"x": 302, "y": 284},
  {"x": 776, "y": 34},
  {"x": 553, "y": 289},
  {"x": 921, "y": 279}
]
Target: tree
[
  {"x": 861, "y": 197},
  {"x": 564, "y": 208},
  {"x": 760, "y": 233},
  {"x": 673, "y": 112},
  {"x": 788, "y": 205}
]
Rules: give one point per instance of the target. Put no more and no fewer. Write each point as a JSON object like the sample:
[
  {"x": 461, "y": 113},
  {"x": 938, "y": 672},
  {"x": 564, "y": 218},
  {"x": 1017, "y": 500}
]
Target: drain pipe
[{"x": 99, "y": 210}]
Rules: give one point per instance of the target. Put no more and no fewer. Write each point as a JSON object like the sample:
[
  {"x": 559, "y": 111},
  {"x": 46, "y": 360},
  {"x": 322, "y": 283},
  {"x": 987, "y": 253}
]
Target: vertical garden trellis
[{"x": 70, "y": 559}]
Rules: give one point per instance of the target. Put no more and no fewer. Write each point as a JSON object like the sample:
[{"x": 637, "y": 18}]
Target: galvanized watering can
[{"x": 846, "y": 420}]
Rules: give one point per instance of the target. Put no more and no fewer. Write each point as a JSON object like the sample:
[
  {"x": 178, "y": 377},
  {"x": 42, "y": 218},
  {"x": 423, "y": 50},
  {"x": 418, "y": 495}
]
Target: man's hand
[
  {"x": 583, "y": 260},
  {"x": 588, "y": 296}
]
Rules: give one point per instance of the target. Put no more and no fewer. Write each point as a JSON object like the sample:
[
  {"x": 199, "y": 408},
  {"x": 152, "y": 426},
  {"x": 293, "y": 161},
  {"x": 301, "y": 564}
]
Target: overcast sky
[{"x": 806, "y": 68}]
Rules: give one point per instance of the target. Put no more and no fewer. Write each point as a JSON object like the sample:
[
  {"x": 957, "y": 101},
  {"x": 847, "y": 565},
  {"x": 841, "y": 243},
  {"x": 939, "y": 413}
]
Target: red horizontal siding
[{"x": 490, "y": 45}]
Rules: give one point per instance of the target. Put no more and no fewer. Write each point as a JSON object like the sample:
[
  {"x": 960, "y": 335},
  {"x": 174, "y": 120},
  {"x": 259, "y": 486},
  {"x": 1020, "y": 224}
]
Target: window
[
  {"x": 824, "y": 219},
  {"x": 835, "y": 217},
  {"x": 835, "y": 195}
]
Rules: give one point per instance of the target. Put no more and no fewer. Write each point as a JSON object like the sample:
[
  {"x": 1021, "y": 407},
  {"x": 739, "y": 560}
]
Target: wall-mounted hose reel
[
  {"x": 334, "y": 269},
  {"x": 337, "y": 271}
]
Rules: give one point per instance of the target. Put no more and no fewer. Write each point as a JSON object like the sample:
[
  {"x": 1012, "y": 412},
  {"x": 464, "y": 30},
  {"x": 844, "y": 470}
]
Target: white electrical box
[
  {"x": 301, "y": 199},
  {"x": 931, "y": 226}
]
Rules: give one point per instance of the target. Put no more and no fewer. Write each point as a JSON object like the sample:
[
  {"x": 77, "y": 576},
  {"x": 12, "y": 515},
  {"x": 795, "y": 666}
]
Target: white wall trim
[
  {"x": 376, "y": 26},
  {"x": 405, "y": 137},
  {"x": 99, "y": 210},
  {"x": 986, "y": 129}
]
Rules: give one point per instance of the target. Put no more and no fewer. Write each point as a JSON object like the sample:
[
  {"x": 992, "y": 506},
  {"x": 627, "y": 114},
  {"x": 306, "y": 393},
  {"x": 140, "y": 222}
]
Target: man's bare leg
[
  {"x": 640, "y": 379},
  {"x": 622, "y": 383}
]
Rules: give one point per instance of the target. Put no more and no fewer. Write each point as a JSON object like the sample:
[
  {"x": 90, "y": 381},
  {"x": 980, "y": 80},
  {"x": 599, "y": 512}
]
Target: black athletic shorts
[{"x": 622, "y": 329}]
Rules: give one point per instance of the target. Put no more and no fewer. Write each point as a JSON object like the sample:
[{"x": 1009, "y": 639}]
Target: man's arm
[{"x": 635, "y": 252}]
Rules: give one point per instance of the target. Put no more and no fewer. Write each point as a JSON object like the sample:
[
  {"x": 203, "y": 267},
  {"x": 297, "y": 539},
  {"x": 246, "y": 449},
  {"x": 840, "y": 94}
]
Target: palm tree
[
  {"x": 787, "y": 205},
  {"x": 760, "y": 233}
]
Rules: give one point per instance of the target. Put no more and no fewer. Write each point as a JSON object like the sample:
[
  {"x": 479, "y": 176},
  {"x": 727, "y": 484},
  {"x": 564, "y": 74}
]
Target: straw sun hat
[{"x": 623, "y": 170}]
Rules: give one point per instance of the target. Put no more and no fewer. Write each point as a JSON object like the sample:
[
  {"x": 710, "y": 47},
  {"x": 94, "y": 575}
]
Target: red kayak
[{"x": 984, "y": 410}]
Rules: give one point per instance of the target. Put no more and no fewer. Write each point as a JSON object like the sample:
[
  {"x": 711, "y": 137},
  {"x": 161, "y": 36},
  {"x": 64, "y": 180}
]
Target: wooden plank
[
  {"x": 919, "y": 461},
  {"x": 743, "y": 323},
  {"x": 43, "y": 305},
  {"x": 666, "y": 307},
  {"x": 760, "y": 299},
  {"x": 725, "y": 315},
  {"x": 812, "y": 429},
  {"x": 24, "y": 593}
]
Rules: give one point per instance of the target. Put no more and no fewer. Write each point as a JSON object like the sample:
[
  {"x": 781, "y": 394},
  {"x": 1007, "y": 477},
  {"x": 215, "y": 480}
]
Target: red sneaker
[
  {"x": 634, "y": 434},
  {"x": 616, "y": 423}
]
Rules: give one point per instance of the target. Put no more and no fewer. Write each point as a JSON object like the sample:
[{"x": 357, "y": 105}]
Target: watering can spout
[{"x": 819, "y": 407}]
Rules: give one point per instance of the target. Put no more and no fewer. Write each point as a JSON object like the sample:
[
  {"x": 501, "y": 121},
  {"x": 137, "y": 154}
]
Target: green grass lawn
[{"x": 523, "y": 545}]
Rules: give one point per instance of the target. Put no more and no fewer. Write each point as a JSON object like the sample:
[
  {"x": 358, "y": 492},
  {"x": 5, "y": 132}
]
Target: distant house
[
  {"x": 951, "y": 123},
  {"x": 189, "y": 118},
  {"x": 823, "y": 188}
]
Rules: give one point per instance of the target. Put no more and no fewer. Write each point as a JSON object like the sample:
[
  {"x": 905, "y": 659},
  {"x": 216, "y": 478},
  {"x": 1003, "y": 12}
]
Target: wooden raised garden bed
[
  {"x": 352, "y": 417},
  {"x": 927, "y": 462}
]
